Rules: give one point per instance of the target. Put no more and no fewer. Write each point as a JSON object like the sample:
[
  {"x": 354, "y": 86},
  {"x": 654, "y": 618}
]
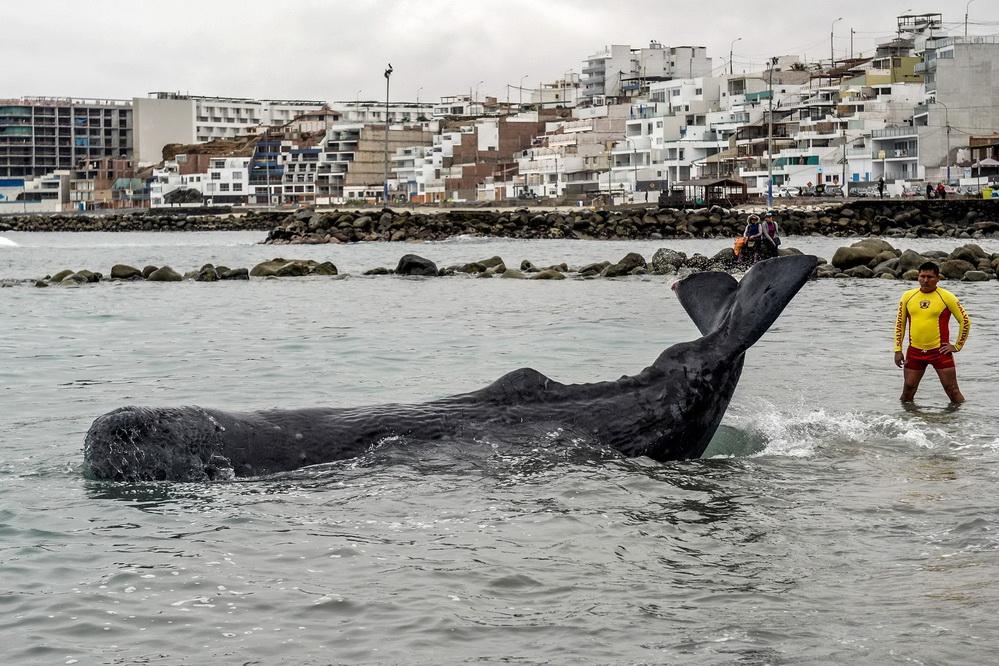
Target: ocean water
[{"x": 826, "y": 525}]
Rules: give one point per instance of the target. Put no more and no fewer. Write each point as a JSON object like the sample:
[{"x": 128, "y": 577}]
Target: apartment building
[
  {"x": 962, "y": 100},
  {"x": 166, "y": 117},
  {"x": 39, "y": 135},
  {"x": 92, "y": 183},
  {"x": 621, "y": 70},
  {"x": 371, "y": 112}
]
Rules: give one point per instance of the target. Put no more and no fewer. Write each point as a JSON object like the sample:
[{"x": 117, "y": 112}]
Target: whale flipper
[{"x": 739, "y": 313}]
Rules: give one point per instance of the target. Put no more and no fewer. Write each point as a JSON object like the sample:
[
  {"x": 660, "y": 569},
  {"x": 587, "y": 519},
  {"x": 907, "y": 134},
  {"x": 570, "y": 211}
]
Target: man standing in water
[{"x": 928, "y": 309}]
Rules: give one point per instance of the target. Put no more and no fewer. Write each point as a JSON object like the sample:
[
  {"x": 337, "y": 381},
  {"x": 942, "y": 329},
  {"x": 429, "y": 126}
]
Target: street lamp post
[
  {"x": 477, "y": 91},
  {"x": 946, "y": 122},
  {"x": 730, "y": 51},
  {"x": 832, "y": 57},
  {"x": 385, "y": 186},
  {"x": 520, "y": 88},
  {"x": 770, "y": 136},
  {"x": 966, "y": 17}
]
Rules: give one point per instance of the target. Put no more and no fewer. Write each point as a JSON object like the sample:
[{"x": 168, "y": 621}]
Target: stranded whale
[{"x": 668, "y": 411}]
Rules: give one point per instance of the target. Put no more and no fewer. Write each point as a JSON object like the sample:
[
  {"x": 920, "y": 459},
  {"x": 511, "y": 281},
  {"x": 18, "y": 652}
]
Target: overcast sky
[{"x": 337, "y": 50}]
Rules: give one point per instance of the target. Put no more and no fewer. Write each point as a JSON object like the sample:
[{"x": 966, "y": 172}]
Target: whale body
[{"x": 668, "y": 411}]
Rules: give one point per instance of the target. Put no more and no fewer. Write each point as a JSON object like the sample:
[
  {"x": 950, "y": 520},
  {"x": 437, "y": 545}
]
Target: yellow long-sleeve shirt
[{"x": 929, "y": 319}]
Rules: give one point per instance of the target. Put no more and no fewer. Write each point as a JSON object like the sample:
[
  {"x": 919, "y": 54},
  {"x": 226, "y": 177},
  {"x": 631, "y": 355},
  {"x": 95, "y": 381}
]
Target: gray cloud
[{"x": 329, "y": 50}]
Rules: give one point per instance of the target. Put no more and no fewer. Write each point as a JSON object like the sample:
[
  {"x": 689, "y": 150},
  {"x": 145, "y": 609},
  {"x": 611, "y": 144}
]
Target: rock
[
  {"x": 233, "y": 274},
  {"x": 296, "y": 268},
  {"x": 910, "y": 260},
  {"x": 491, "y": 262},
  {"x": 125, "y": 272},
  {"x": 378, "y": 271},
  {"x": 548, "y": 274},
  {"x": 148, "y": 270},
  {"x": 206, "y": 273},
  {"x": 594, "y": 269},
  {"x": 975, "y": 276},
  {"x": 628, "y": 263},
  {"x": 41, "y": 283},
  {"x": 513, "y": 274},
  {"x": 887, "y": 276},
  {"x": 411, "y": 264},
  {"x": 954, "y": 269},
  {"x": 889, "y": 266},
  {"x": 666, "y": 261},
  {"x": 826, "y": 271},
  {"x": 473, "y": 267},
  {"x": 325, "y": 268},
  {"x": 911, "y": 274},
  {"x": 60, "y": 276},
  {"x": 848, "y": 257},
  {"x": 859, "y": 272},
  {"x": 970, "y": 253},
  {"x": 528, "y": 267},
  {"x": 164, "y": 274}
]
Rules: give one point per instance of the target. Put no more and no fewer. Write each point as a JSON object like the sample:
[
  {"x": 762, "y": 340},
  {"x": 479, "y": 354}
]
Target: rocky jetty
[
  {"x": 866, "y": 258},
  {"x": 913, "y": 219},
  {"x": 173, "y": 220},
  {"x": 895, "y": 218}
]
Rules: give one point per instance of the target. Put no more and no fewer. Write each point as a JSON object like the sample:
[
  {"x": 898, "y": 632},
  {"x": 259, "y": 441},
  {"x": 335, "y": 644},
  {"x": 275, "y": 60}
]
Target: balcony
[{"x": 893, "y": 132}]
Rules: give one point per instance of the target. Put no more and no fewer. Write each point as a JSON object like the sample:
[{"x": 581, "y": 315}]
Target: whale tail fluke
[{"x": 741, "y": 312}]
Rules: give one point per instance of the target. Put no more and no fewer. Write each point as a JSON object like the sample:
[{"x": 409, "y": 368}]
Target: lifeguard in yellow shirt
[{"x": 928, "y": 310}]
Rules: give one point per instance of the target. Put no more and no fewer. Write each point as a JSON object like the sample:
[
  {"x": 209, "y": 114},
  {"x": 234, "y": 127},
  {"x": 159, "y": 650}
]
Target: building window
[
  {"x": 698, "y": 91},
  {"x": 223, "y": 187},
  {"x": 216, "y": 175},
  {"x": 237, "y": 187},
  {"x": 237, "y": 175}
]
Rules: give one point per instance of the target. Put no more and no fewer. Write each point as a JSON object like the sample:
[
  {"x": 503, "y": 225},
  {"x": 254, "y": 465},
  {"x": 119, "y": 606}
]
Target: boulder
[
  {"x": 206, "y": 273},
  {"x": 666, "y": 261},
  {"x": 548, "y": 274},
  {"x": 910, "y": 260},
  {"x": 411, "y": 264},
  {"x": 954, "y": 269},
  {"x": 859, "y": 272},
  {"x": 970, "y": 253},
  {"x": 125, "y": 272},
  {"x": 911, "y": 274},
  {"x": 594, "y": 269},
  {"x": 975, "y": 276},
  {"x": 148, "y": 270},
  {"x": 848, "y": 257},
  {"x": 628, "y": 263},
  {"x": 164, "y": 274},
  {"x": 324, "y": 268},
  {"x": 61, "y": 275},
  {"x": 233, "y": 274},
  {"x": 381, "y": 270}
]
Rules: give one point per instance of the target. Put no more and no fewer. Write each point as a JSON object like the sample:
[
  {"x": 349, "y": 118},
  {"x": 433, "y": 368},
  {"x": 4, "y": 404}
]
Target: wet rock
[
  {"x": 164, "y": 274},
  {"x": 625, "y": 266},
  {"x": 125, "y": 272},
  {"x": 975, "y": 276},
  {"x": 666, "y": 261},
  {"x": 548, "y": 274},
  {"x": 954, "y": 269},
  {"x": 412, "y": 264}
]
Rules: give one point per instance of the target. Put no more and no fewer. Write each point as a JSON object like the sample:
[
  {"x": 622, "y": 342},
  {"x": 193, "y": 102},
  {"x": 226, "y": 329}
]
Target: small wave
[
  {"x": 801, "y": 432},
  {"x": 6, "y": 242}
]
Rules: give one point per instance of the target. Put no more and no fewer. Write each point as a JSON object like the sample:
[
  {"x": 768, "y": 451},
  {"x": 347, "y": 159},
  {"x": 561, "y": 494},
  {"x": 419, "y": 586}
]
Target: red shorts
[{"x": 918, "y": 359}]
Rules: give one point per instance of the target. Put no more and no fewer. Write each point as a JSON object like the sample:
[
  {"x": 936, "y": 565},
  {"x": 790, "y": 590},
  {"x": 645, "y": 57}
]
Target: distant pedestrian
[
  {"x": 929, "y": 190},
  {"x": 881, "y": 187},
  {"x": 941, "y": 191}
]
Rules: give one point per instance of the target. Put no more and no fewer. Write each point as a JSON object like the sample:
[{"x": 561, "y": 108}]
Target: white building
[
  {"x": 228, "y": 181},
  {"x": 620, "y": 69},
  {"x": 41, "y": 194},
  {"x": 163, "y": 118},
  {"x": 373, "y": 112},
  {"x": 168, "y": 178}
]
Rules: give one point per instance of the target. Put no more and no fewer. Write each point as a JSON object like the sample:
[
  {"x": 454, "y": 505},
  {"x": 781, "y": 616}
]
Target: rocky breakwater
[
  {"x": 892, "y": 218},
  {"x": 877, "y": 258},
  {"x": 274, "y": 268},
  {"x": 144, "y": 221}
]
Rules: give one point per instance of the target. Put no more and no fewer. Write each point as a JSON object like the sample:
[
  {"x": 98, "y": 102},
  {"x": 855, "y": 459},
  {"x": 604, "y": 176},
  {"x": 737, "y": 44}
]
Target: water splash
[{"x": 6, "y": 242}]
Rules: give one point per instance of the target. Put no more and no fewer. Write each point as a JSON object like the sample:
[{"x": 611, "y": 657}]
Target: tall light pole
[
  {"x": 832, "y": 58},
  {"x": 520, "y": 101},
  {"x": 418, "y": 90},
  {"x": 770, "y": 137},
  {"x": 477, "y": 91},
  {"x": 947, "y": 122},
  {"x": 966, "y": 17},
  {"x": 730, "y": 51},
  {"x": 385, "y": 188}
]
